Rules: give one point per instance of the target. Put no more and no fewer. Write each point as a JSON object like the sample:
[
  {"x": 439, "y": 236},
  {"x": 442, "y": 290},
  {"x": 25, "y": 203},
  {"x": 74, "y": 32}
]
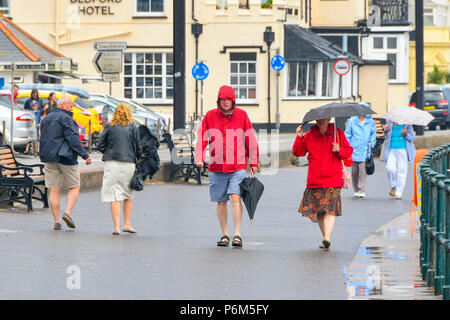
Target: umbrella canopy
[
  {"x": 251, "y": 191},
  {"x": 336, "y": 110},
  {"x": 409, "y": 115}
]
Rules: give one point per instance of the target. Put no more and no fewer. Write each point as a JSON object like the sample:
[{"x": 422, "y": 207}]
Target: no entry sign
[{"x": 342, "y": 67}]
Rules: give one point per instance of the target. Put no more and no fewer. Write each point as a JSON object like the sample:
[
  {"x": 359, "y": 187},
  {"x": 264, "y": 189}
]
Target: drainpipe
[
  {"x": 193, "y": 11},
  {"x": 57, "y": 25},
  {"x": 310, "y": 14}
]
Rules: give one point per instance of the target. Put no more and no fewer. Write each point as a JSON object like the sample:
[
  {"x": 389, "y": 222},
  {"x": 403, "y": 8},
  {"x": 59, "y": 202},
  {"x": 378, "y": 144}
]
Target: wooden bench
[
  {"x": 19, "y": 181},
  {"x": 182, "y": 159}
]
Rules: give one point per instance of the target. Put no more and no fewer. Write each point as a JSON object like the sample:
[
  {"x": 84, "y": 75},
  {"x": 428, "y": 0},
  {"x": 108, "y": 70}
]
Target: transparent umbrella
[{"x": 409, "y": 115}]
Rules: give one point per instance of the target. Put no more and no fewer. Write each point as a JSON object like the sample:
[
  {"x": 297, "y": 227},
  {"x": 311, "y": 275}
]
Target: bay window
[{"x": 310, "y": 79}]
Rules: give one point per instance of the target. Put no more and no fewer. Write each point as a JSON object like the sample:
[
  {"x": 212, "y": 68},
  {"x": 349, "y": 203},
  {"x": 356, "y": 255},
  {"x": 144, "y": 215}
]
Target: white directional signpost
[
  {"x": 200, "y": 72},
  {"x": 278, "y": 63},
  {"x": 108, "y": 60},
  {"x": 341, "y": 67}
]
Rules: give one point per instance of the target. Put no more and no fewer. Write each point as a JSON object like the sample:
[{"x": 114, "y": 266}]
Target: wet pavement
[
  {"x": 174, "y": 253},
  {"x": 386, "y": 266}
]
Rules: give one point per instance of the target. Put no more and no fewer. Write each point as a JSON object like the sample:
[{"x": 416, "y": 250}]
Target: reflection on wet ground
[{"x": 386, "y": 266}]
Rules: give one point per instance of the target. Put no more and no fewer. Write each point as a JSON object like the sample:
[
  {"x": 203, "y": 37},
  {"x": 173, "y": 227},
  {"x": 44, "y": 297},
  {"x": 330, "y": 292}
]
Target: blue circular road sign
[
  {"x": 200, "y": 71},
  {"x": 277, "y": 62}
]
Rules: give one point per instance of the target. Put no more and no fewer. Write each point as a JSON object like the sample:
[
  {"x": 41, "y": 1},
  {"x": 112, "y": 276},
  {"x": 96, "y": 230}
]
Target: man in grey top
[{"x": 59, "y": 149}]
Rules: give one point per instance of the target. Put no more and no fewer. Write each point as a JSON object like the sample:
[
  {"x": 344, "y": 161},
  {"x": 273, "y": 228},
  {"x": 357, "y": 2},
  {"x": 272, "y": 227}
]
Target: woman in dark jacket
[
  {"x": 34, "y": 100},
  {"x": 121, "y": 148}
]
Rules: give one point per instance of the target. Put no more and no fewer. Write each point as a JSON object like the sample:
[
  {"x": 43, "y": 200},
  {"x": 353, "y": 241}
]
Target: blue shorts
[{"x": 221, "y": 185}]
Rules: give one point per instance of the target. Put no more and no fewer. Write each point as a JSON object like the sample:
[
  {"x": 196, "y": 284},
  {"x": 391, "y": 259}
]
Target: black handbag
[
  {"x": 370, "y": 165},
  {"x": 137, "y": 182}
]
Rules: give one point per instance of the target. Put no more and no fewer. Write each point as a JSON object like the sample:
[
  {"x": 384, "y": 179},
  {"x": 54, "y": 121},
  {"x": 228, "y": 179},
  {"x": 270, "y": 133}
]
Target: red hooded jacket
[
  {"x": 325, "y": 167},
  {"x": 231, "y": 138}
]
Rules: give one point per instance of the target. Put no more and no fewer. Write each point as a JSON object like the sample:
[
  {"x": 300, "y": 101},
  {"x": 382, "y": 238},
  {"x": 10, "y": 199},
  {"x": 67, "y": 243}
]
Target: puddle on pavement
[{"x": 384, "y": 270}]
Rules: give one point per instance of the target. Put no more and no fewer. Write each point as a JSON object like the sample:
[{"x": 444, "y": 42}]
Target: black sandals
[
  {"x": 325, "y": 244},
  {"x": 237, "y": 242},
  {"x": 224, "y": 241}
]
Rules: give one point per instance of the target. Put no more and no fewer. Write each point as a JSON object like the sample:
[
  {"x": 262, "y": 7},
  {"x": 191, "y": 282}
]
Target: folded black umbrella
[
  {"x": 336, "y": 110},
  {"x": 251, "y": 191}
]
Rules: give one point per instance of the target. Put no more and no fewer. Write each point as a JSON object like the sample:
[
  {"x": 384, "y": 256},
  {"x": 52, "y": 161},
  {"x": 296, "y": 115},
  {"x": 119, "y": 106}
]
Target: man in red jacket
[{"x": 232, "y": 140}]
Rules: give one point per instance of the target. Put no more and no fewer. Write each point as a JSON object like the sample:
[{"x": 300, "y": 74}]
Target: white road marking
[{"x": 7, "y": 231}]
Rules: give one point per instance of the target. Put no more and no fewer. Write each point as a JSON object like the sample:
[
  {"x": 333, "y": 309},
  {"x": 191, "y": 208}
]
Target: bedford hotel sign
[{"x": 95, "y": 7}]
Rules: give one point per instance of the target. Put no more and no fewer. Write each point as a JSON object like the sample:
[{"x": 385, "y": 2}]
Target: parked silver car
[
  {"x": 163, "y": 118},
  {"x": 106, "y": 106},
  {"x": 24, "y": 130}
]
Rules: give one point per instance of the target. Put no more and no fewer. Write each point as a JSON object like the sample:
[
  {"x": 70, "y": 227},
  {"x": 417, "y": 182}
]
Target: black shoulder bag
[
  {"x": 370, "y": 165},
  {"x": 137, "y": 182}
]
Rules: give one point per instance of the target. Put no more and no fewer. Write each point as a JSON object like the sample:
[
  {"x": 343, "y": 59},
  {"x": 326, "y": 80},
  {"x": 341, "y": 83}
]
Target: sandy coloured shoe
[{"x": 129, "y": 230}]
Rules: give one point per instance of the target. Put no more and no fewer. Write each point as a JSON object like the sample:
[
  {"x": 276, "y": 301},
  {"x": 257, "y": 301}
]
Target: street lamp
[
  {"x": 269, "y": 37},
  {"x": 196, "y": 30}
]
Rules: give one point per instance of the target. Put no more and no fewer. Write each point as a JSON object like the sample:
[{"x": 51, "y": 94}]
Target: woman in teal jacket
[{"x": 361, "y": 133}]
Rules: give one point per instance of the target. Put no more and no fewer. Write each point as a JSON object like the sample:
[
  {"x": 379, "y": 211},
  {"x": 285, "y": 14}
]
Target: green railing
[{"x": 435, "y": 220}]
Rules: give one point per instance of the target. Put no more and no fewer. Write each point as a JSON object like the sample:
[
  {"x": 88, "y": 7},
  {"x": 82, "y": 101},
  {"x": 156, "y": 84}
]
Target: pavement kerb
[{"x": 91, "y": 179}]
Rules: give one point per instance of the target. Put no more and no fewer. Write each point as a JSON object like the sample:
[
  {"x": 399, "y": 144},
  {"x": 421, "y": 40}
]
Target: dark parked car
[{"x": 436, "y": 102}]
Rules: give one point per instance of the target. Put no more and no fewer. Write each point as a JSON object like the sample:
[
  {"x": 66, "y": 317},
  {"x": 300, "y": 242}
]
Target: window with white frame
[
  {"x": 221, "y": 5},
  {"x": 243, "y": 76},
  {"x": 310, "y": 79},
  {"x": 4, "y": 7},
  {"x": 243, "y": 4},
  {"x": 428, "y": 17},
  {"x": 435, "y": 16},
  {"x": 148, "y": 77},
  {"x": 390, "y": 46},
  {"x": 149, "y": 7}
]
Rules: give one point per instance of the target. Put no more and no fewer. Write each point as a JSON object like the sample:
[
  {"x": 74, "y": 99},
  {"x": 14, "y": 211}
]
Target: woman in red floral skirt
[{"x": 322, "y": 198}]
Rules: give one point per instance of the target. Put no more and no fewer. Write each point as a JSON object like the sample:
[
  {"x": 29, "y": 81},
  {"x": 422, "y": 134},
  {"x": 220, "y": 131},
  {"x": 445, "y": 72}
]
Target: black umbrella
[
  {"x": 336, "y": 110},
  {"x": 251, "y": 191}
]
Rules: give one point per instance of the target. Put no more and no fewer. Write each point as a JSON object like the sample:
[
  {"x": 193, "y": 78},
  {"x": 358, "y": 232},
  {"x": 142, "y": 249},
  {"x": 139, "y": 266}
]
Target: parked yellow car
[{"x": 82, "y": 111}]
